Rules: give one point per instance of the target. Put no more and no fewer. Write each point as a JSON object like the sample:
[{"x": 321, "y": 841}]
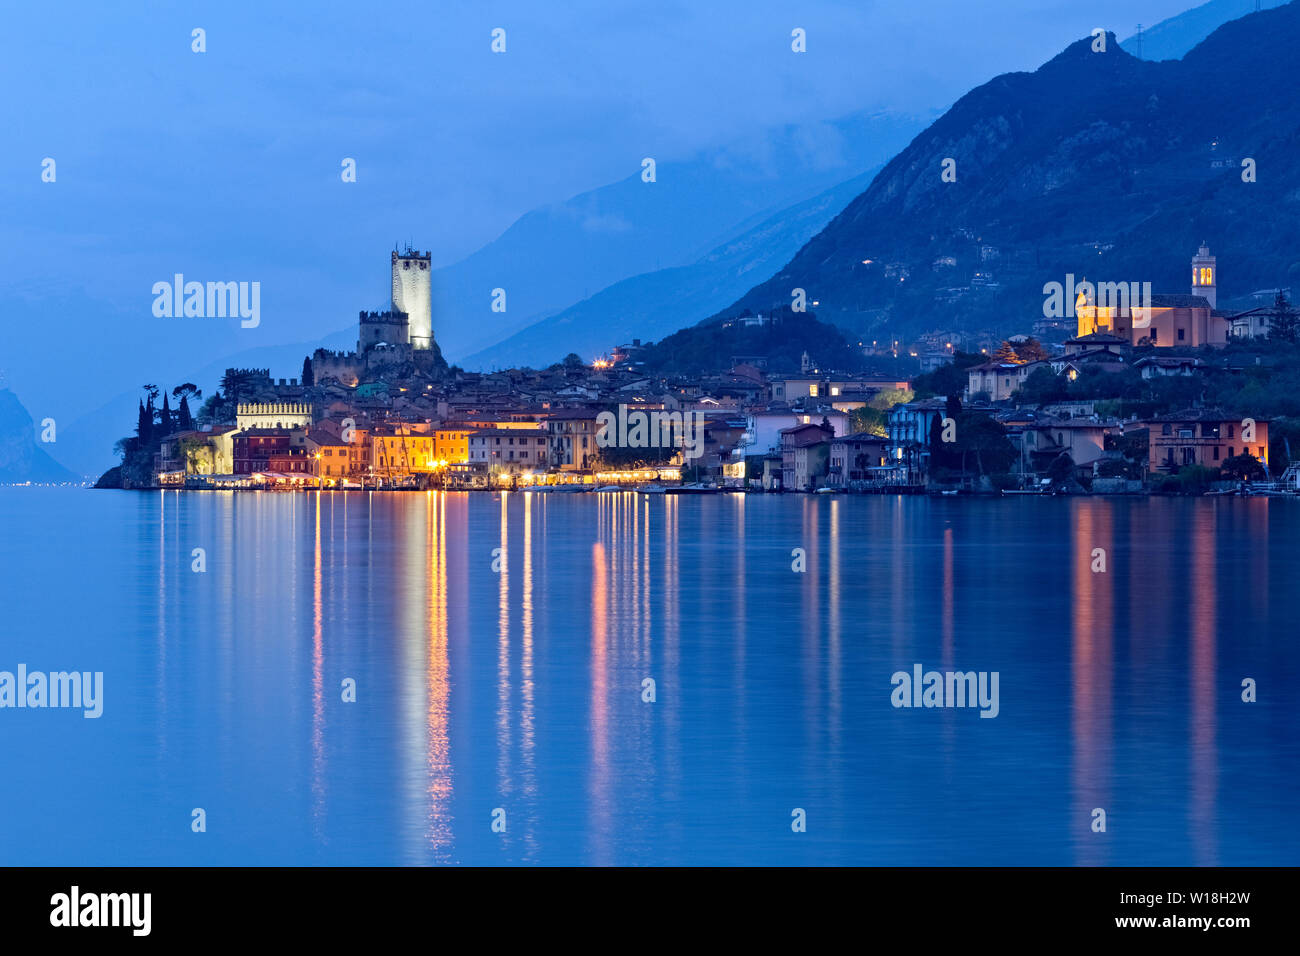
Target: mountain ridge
[{"x": 1105, "y": 150}]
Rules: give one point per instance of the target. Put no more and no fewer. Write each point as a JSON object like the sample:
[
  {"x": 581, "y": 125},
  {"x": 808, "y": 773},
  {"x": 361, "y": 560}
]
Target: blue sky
[{"x": 225, "y": 165}]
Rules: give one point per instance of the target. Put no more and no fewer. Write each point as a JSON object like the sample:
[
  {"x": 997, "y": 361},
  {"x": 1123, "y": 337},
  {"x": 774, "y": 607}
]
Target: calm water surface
[{"x": 521, "y": 689}]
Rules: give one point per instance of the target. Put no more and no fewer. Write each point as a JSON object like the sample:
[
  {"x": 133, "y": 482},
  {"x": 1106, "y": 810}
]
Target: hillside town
[{"x": 1129, "y": 403}]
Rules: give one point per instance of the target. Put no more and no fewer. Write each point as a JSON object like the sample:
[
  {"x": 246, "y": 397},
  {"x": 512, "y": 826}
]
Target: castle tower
[
  {"x": 412, "y": 294},
  {"x": 1205, "y": 276}
]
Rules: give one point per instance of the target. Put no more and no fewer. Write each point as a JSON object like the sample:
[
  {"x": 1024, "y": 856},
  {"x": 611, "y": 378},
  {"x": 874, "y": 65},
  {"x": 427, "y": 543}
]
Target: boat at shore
[{"x": 698, "y": 488}]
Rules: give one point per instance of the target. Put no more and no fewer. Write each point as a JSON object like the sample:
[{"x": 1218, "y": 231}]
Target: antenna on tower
[{"x": 1139, "y": 38}]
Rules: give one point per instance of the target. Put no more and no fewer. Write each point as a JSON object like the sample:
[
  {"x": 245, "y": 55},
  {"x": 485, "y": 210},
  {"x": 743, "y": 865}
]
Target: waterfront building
[
  {"x": 1202, "y": 436},
  {"x": 764, "y": 426},
  {"x": 805, "y": 456},
  {"x": 857, "y": 457},
  {"x": 451, "y": 443},
  {"x": 908, "y": 428},
  {"x": 510, "y": 450},
  {"x": 334, "y": 459},
  {"x": 1045, "y": 439},
  {"x": 205, "y": 451},
  {"x": 572, "y": 435},
  {"x": 400, "y": 450},
  {"x": 255, "y": 447}
]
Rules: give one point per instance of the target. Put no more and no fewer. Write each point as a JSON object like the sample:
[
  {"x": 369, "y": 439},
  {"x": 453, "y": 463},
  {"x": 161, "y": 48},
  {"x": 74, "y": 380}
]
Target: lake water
[{"x": 520, "y": 688}]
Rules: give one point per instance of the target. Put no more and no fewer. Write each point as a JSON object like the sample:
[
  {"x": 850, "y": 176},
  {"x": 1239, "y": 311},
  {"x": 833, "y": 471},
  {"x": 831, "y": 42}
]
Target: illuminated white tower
[
  {"x": 412, "y": 294},
  {"x": 1205, "y": 276}
]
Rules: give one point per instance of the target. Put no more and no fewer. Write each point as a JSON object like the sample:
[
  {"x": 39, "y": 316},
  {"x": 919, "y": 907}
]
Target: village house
[
  {"x": 1202, "y": 436},
  {"x": 397, "y": 450},
  {"x": 996, "y": 381},
  {"x": 1095, "y": 342},
  {"x": 205, "y": 451},
  {"x": 572, "y": 434},
  {"x": 805, "y": 456},
  {"x": 1084, "y": 440},
  {"x": 255, "y": 447},
  {"x": 857, "y": 457},
  {"x": 764, "y": 427},
  {"x": 908, "y": 428},
  {"x": 1155, "y": 366},
  {"x": 509, "y": 449},
  {"x": 334, "y": 459}
]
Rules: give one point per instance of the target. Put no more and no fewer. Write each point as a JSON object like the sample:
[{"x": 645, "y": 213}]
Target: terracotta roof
[
  {"x": 322, "y": 437},
  {"x": 1202, "y": 415},
  {"x": 1165, "y": 301},
  {"x": 804, "y": 435},
  {"x": 1098, "y": 338},
  {"x": 861, "y": 437}
]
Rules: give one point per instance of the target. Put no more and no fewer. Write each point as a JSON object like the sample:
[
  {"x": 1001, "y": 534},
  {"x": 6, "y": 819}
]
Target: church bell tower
[{"x": 1205, "y": 276}]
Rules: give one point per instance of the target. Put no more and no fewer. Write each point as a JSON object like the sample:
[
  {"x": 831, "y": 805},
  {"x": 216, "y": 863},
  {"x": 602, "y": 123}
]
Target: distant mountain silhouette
[
  {"x": 1097, "y": 164},
  {"x": 657, "y": 303},
  {"x": 559, "y": 255},
  {"x": 1173, "y": 38},
  {"x": 22, "y": 458}
]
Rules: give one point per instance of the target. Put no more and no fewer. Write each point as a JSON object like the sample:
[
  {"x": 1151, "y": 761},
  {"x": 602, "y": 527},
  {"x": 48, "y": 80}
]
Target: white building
[
  {"x": 412, "y": 294},
  {"x": 272, "y": 415},
  {"x": 763, "y": 429}
]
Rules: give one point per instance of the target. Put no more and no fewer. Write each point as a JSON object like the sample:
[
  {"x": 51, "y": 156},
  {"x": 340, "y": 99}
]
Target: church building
[{"x": 1164, "y": 320}]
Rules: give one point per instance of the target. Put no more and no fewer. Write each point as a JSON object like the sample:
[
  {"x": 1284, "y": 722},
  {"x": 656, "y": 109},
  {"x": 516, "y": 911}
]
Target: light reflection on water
[{"x": 499, "y": 645}]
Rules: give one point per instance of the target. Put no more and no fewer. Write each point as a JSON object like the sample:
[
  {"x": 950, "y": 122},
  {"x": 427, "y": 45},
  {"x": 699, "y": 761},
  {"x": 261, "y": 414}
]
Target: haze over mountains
[
  {"x": 21, "y": 457},
  {"x": 562, "y": 254},
  {"x": 655, "y": 304}
]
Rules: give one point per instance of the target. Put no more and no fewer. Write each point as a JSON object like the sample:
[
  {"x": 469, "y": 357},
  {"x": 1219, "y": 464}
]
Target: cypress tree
[
  {"x": 143, "y": 425},
  {"x": 939, "y": 456}
]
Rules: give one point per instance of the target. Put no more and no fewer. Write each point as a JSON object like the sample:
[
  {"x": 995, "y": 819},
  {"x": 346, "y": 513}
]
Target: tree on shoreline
[{"x": 1242, "y": 468}]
